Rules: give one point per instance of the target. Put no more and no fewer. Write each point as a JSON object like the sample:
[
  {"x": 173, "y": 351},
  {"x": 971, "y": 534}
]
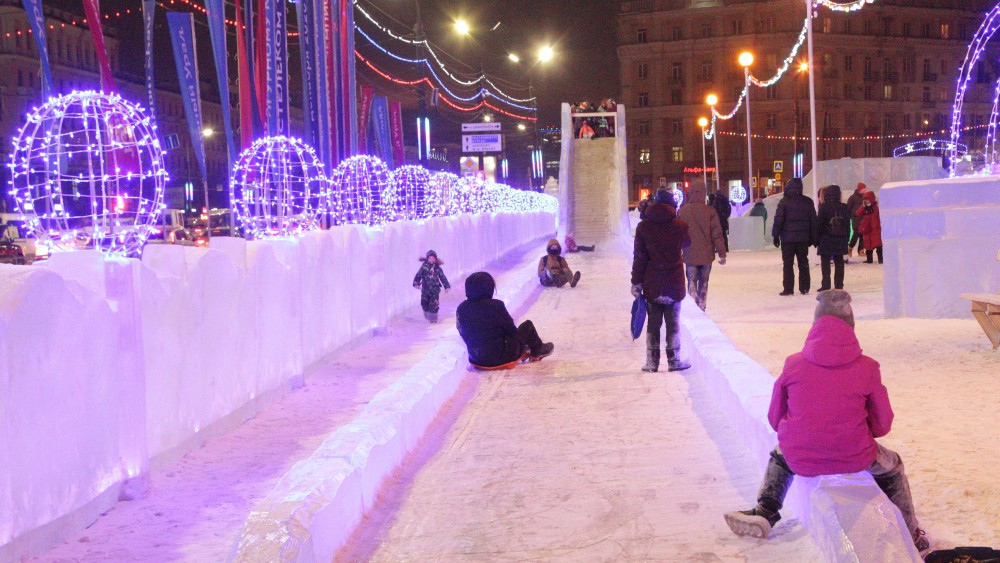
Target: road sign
[
  {"x": 480, "y": 127},
  {"x": 491, "y": 142},
  {"x": 779, "y": 165},
  {"x": 753, "y": 181},
  {"x": 171, "y": 142},
  {"x": 777, "y": 176},
  {"x": 469, "y": 165}
]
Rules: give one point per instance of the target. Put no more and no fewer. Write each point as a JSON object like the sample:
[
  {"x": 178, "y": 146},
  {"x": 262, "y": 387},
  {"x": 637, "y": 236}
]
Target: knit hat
[
  {"x": 664, "y": 196},
  {"x": 862, "y": 186},
  {"x": 835, "y": 303}
]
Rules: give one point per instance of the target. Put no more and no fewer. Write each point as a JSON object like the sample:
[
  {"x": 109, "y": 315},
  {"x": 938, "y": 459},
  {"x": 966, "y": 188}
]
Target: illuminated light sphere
[
  {"x": 362, "y": 192},
  {"x": 279, "y": 188},
  {"x": 737, "y": 193},
  {"x": 441, "y": 196},
  {"x": 469, "y": 193},
  {"x": 746, "y": 58},
  {"x": 87, "y": 172},
  {"x": 411, "y": 185},
  {"x": 678, "y": 197}
]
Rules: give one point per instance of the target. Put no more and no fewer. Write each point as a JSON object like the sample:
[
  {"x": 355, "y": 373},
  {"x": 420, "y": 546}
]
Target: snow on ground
[
  {"x": 195, "y": 509},
  {"x": 579, "y": 458},
  {"x": 942, "y": 378}
]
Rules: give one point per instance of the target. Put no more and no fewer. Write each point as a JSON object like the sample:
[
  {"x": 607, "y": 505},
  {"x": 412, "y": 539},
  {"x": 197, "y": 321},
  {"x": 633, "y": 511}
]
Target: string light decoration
[
  {"x": 493, "y": 197},
  {"x": 890, "y": 136},
  {"x": 87, "y": 172},
  {"x": 441, "y": 197},
  {"x": 973, "y": 55},
  {"x": 278, "y": 188},
  {"x": 361, "y": 192},
  {"x": 470, "y": 194},
  {"x": 678, "y": 196},
  {"x": 928, "y": 146},
  {"x": 411, "y": 184},
  {"x": 737, "y": 193},
  {"x": 853, "y": 6}
]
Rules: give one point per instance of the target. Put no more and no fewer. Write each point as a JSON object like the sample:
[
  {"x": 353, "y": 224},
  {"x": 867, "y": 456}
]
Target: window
[
  {"x": 905, "y": 93},
  {"x": 20, "y": 78},
  {"x": 643, "y": 100},
  {"x": 677, "y": 33},
  {"x": 677, "y": 127},
  {"x": 907, "y": 29},
  {"x": 768, "y": 24},
  {"x": 676, "y": 72},
  {"x": 645, "y": 156},
  {"x": 944, "y": 95},
  {"x": 945, "y": 31},
  {"x": 849, "y": 119},
  {"x": 907, "y": 121},
  {"x": 736, "y": 27},
  {"x": 642, "y": 70},
  {"x": 927, "y": 94},
  {"x": 868, "y": 28},
  {"x": 677, "y": 154},
  {"x": 927, "y": 68},
  {"x": 886, "y": 27},
  {"x": 869, "y": 150},
  {"x": 848, "y": 92},
  {"x": 848, "y": 28},
  {"x": 772, "y": 121},
  {"x": 706, "y": 30},
  {"x": 869, "y": 92},
  {"x": 963, "y": 32},
  {"x": 771, "y": 152},
  {"x": 925, "y": 31},
  {"x": 848, "y": 63},
  {"x": 741, "y": 123},
  {"x": 868, "y": 68},
  {"x": 640, "y": 35},
  {"x": 707, "y": 71},
  {"x": 847, "y": 150},
  {"x": 907, "y": 66},
  {"x": 828, "y": 120},
  {"x": 944, "y": 67},
  {"x": 827, "y": 25},
  {"x": 771, "y": 93},
  {"x": 676, "y": 97},
  {"x": 887, "y": 92},
  {"x": 888, "y": 122},
  {"x": 644, "y": 127}
]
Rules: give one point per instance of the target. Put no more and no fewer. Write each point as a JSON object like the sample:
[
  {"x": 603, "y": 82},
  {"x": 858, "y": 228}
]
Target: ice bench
[
  {"x": 848, "y": 516},
  {"x": 986, "y": 309}
]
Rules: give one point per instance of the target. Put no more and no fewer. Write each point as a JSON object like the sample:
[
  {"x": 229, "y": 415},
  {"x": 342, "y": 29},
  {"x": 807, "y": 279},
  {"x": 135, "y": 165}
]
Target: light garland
[
  {"x": 848, "y": 137},
  {"x": 361, "y": 192},
  {"x": 411, "y": 185},
  {"x": 468, "y": 193},
  {"x": 441, "y": 194},
  {"x": 278, "y": 188},
  {"x": 87, "y": 172},
  {"x": 678, "y": 197},
  {"x": 929, "y": 145},
  {"x": 973, "y": 55},
  {"x": 841, "y": 7}
]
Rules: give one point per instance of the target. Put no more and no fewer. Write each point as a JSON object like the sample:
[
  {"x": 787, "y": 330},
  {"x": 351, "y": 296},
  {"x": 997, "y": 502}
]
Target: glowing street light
[
  {"x": 487, "y": 118},
  {"x": 522, "y": 127},
  {"x": 546, "y": 54},
  {"x": 207, "y": 132},
  {"x": 804, "y": 66},
  {"x": 462, "y": 27},
  {"x": 745, "y": 60},
  {"x": 712, "y": 100},
  {"x": 514, "y": 58},
  {"x": 703, "y": 122}
]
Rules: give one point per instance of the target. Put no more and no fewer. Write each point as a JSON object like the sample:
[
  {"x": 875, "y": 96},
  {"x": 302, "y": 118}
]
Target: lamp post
[
  {"x": 711, "y": 100},
  {"x": 703, "y": 122},
  {"x": 746, "y": 59},
  {"x": 812, "y": 92}
]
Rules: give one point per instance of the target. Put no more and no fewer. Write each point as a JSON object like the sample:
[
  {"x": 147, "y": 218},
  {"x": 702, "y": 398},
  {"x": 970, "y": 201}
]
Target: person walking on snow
[
  {"x": 553, "y": 270},
  {"x": 828, "y": 407},
  {"x": 855, "y": 202},
  {"x": 834, "y": 226},
  {"x": 430, "y": 279},
  {"x": 794, "y": 231},
  {"x": 871, "y": 227},
  {"x": 706, "y": 241},
  {"x": 658, "y": 275},
  {"x": 721, "y": 204},
  {"x": 488, "y": 330}
]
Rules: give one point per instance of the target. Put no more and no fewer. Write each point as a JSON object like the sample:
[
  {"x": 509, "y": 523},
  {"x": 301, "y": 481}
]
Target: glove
[
  {"x": 636, "y": 290},
  {"x": 777, "y": 242},
  {"x": 722, "y": 260}
]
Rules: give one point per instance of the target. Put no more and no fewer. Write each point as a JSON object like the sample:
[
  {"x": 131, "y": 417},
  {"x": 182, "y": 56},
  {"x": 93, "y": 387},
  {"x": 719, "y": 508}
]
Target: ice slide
[{"x": 593, "y": 181}]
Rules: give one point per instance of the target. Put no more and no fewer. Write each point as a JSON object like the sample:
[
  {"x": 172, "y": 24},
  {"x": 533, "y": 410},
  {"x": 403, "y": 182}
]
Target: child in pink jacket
[{"x": 828, "y": 406}]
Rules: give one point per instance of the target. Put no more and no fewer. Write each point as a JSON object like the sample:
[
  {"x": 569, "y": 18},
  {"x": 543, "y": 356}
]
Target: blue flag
[
  {"x": 148, "y": 12},
  {"x": 306, "y": 12},
  {"x": 182, "y": 37},
  {"x": 380, "y": 128},
  {"x": 215, "y": 10},
  {"x": 37, "y": 20}
]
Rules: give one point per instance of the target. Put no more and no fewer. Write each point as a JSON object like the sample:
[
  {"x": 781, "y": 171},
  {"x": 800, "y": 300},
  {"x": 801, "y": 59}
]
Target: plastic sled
[
  {"x": 508, "y": 365},
  {"x": 964, "y": 555}
]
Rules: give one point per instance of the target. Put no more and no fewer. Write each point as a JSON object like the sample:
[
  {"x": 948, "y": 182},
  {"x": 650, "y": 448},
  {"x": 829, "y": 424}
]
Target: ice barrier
[
  {"x": 316, "y": 506},
  {"x": 848, "y": 516},
  {"x": 111, "y": 367}
]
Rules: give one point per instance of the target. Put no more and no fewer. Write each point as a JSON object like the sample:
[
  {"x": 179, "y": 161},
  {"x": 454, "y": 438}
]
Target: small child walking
[{"x": 430, "y": 279}]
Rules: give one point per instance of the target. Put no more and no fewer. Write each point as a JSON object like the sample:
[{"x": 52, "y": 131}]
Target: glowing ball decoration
[
  {"x": 441, "y": 196},
  {"x": 279, "y": 188},
  {"x": 737, "y": 194},
  {"x": 470, "y": 194},
  {"x": 87, "y": 172},
  {"x": 411, "y": 185},
  {"x": 678, "y": 197},
  {"x": 362, "y": 192}
]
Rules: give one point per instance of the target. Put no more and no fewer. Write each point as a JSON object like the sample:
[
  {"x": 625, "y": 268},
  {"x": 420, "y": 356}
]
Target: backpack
[{"x": 839, "y": 226}]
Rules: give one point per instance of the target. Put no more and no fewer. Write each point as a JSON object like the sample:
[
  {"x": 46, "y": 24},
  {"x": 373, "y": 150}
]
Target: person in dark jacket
[
  {"x": 658, "y": 275},
  {"x": 644, "y": 205},
  {"x": 553, "y": 270},
  {"x": 834, "y": 227},
  {"x": 855, "y": 202},
  {"x": 828, "y": 407},
  {"x": 489, "y": 331},
  {"x": 794, "y": 231},
  {"x": 721, "y": 204},
  {"x": 871, "y": 227},
  {"x": 430, "y": 279}
]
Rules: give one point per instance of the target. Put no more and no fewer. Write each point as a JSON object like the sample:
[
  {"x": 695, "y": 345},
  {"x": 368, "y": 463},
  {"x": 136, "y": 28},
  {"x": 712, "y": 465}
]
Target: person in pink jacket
[{"x": 828, "y": 407}]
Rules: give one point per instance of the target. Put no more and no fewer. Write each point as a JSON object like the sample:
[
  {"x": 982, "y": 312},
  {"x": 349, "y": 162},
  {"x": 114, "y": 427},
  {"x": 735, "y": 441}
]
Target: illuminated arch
[{"x": 972, "y": 58}]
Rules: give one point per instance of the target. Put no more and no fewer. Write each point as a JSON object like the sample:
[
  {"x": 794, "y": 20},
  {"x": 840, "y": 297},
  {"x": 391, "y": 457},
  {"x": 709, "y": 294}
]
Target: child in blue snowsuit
[{"x": 430, "y": 278}]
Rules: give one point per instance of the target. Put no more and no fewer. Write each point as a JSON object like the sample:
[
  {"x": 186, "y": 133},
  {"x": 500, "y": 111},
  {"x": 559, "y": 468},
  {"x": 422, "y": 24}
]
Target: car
[{"x": 10, "y": 251}]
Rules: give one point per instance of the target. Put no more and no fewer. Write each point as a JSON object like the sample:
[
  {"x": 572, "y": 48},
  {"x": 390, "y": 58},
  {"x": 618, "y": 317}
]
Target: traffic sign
[
  {"x": 492, "y": 142},
  {"x": 480, "y": 127},
  {"x": 777, "y": 176},
  {"x": 469, "y": 165},
  {"x": 753, "y": 181},
  {"x": 779, "y": 165}
]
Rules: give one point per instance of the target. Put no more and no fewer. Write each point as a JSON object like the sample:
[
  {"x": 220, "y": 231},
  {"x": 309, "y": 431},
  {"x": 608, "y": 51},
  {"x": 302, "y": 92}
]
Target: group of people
[
  {"x": 798, "y": 226},
  {"x": 595, "y": 127}
]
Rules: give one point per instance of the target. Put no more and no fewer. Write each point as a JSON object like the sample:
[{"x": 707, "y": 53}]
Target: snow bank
[
  {"x": 848, "y": 516},
  {"x": 317, "y": 505},
  {"x": 940, "y": 241},
  {"x": 109, "y": 368}
]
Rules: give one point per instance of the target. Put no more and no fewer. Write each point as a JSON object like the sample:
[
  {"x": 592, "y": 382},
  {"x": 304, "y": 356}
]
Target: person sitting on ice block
[
  {"x": 488, "y": 329},
  {"x": 828, "y": 406}
]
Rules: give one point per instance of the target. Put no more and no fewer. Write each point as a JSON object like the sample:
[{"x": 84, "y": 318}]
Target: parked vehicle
[
  {"x": 14, "y": 227},
  {"x": 10, "y": 251}
]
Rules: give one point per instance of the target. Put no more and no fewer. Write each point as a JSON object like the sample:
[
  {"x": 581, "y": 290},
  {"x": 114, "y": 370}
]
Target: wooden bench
[{"x": 986, "y": 309}]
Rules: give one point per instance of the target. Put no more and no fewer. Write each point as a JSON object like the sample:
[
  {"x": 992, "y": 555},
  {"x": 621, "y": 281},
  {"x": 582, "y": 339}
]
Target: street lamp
[
  {"x": 545, "y": 54},
  {"x": 703, "y": 122},
  {"x": 746, "y": 59},
  {"x": 514, "y": 58},
  {"x": 207, "y": 132},
  {"x": 462, "y": 27},
  {"x": 522, "y": 127},
  {"x": 711, "y": 100}
]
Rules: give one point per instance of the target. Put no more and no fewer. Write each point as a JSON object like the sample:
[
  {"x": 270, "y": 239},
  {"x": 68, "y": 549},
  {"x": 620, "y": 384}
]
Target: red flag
[
  {"x": 246, "y": 112},
  {"x": 93, "y": 10},
  {"x": 260, "y": 68}
]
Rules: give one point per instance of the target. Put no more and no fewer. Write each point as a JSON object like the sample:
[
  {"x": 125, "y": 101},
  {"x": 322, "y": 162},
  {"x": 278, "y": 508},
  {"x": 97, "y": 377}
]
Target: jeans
[
  {"x": 667, "y": 312},
  {"x": 697, "y": 277},
  {"x": 887, "y": 469},
  {"x": 838, "y": 270},
  {"x": 795, "y": 251},
  {"x": 528, "y": 336}
]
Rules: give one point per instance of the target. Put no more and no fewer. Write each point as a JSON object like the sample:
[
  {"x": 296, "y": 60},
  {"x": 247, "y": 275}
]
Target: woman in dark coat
[
  {"x": 488, "y": 329},
  {"x": 834, "y": 226}
]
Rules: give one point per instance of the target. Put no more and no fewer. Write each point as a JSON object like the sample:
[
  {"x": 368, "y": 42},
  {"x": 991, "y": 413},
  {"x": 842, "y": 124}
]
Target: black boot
[
  {"x": 675, "y": 362},
  {"x": 652, "y": 361},
  {"x": 543, "y": 350}
]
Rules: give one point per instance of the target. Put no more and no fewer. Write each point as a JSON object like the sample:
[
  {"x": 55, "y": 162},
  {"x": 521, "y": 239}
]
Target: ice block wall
[{"x": 111, "y": 367}]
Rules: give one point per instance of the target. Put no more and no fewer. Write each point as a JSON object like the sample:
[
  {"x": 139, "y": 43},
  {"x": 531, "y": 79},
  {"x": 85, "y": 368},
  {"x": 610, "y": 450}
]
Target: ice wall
[
  {"x": 111, "y": 367},
  {"x": 941, "y": 239}
]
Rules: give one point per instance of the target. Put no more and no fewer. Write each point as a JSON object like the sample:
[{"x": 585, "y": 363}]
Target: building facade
[{"x": 884, "y": 75}]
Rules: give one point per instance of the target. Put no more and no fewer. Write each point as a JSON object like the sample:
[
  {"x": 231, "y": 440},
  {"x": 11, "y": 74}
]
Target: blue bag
[{"x": 638, "y": 316}]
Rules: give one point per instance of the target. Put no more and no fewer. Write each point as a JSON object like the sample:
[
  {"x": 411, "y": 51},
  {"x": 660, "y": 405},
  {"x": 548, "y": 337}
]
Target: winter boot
[
  {"x": 921, "y": 542},
  {"x": 575, "y": 280},
  {"x": 652, "y": 361},
  {"x": 756, "y": 522},
  {"x": 431, "y": 317},
  {"x": 544, "y": 350},
  {"x": 675, "y": 362}
]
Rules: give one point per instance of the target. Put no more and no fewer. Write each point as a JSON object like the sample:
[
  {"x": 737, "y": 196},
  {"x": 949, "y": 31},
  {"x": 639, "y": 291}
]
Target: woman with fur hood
[{"x": 430, "y": 279}]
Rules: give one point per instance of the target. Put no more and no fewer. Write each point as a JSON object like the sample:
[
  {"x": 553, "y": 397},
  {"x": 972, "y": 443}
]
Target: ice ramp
[{"x": 593, "y": 181}]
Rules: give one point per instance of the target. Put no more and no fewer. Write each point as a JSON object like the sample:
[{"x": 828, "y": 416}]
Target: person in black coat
[
  {"x": 488, "y": 329},
  {"x": 721, "y": 204},
  {"x": 834, "y": 231},
  {"x": 794, "y": 231}
]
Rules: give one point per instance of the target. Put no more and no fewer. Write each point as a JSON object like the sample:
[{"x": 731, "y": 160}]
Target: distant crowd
[{"x": 594, "y": 127}]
